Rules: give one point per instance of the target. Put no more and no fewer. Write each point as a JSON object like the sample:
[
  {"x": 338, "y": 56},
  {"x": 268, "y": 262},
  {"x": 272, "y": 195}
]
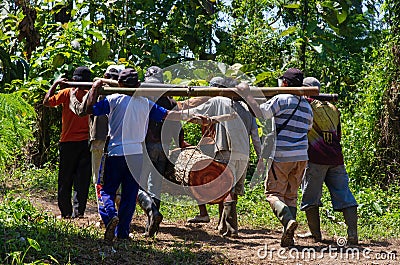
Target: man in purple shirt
[{"x": 326, "y": 165}]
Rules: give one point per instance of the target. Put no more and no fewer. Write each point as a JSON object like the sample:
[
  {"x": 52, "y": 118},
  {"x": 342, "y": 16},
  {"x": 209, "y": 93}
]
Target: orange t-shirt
[{"x": 74, "y": 128}]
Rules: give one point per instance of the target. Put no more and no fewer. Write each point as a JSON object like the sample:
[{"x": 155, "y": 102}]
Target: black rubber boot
[
  {"x": 154, "y": 217},
  {"x": 293, "y": 211},
  {"x": 351, "y": 218},
  {"x": 220, "y": 211},
  {"x": 284, "y": 214},
  {"x": 313, "y": 221},
  {"x": 157, "y": 202},
  {"x": 228, "y": 225}
]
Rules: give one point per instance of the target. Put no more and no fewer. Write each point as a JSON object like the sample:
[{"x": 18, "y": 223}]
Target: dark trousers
[{"x": 74, "y": 171}]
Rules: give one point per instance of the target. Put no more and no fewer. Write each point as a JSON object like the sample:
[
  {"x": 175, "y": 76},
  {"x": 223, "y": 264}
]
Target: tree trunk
[{"x": 209, "y": 181}]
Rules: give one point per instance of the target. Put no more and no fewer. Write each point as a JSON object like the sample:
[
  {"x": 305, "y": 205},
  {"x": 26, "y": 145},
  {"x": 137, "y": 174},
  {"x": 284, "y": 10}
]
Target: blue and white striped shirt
[{"x": 292, "y": 142}]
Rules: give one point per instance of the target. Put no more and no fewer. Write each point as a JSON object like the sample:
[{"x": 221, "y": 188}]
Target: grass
[{"x": 30, "y": 235}]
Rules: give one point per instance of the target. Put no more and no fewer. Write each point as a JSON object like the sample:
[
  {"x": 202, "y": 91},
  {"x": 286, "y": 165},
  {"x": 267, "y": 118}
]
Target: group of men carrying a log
[{"x": 129, "y": 129}]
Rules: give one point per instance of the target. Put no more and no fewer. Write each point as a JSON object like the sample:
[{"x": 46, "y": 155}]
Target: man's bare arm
[
  {"x": 191, "y": 102},
  {"x": 254, "y": 107},
  {"x": 92, "y": 96},
  {"x": 52, "y": 91}
]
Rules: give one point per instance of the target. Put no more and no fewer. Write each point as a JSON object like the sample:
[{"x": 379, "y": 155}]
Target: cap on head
[
  {"x": 154, "y": 74},
  {"x": 113, "y": 71},
  {"x": 129, "y": 78},
  {"x": 82, "y": 74},
  {"x": 220, "y": 81},
  {"x": 217, "y": 81},
  {"x": 294, "y": 77},
  {"x": 312, "y": 81}
]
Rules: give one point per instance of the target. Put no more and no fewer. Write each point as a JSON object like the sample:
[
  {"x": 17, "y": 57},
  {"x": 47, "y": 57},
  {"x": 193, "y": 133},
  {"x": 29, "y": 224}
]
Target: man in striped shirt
[{"x": 293, "y": 119}]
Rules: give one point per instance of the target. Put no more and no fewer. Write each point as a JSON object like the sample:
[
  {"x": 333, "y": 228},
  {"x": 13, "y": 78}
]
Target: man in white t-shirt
[{"x": 127, "y": 121}]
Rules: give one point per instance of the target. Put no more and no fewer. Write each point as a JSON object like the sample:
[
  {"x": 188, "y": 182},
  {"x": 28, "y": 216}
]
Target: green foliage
[
  {"x": 359, "y": 122},
  {"x": 16, "y": 122},
  {"x": 25, "y": 228},
  {"x": 12, "y": 68},
  {"x": 18, "y": 257},
  {"x": 41, "y": 180},
  {"x": 378, "y": 213}
]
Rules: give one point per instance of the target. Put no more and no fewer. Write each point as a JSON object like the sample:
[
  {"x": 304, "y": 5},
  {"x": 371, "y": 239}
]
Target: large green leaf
[
  {"x": 100, "y": 51},
  {"x": 33, "y": 243},
  {"x": 316, "y": 47},
  {"x": 58, "y": 60}
]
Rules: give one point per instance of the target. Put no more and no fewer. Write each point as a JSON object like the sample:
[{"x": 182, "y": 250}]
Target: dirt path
[{"x": 255, "y": 246}]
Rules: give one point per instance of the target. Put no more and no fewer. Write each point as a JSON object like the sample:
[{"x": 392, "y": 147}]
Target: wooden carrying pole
[
  {"x": 209, "y": 91},
  {"x": 155, "y": 89}
]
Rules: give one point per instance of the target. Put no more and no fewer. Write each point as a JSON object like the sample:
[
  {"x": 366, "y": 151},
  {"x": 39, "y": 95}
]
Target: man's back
[
  {"x": 231, "y": 135},
  {"x": 292, "y": 142},
  {"x": 324, "y": 137},
  {"x": 155, "y": 128},
  {"x": 74, "y": 128},
  {"x": 126, "y": 113}
]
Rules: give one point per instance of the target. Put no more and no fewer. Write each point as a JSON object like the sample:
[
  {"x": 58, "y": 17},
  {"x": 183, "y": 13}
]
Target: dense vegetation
[{"x": 352, "y": 46}]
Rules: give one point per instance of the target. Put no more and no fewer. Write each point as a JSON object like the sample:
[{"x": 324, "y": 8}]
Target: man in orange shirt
[{"x": 75, "y": 158}]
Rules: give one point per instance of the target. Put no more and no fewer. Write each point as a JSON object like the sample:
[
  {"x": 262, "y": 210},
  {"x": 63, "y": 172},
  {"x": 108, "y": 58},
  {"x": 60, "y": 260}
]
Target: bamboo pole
[
  {"x": 155, "y": 89},
  {"x": 209, "y": 91}
]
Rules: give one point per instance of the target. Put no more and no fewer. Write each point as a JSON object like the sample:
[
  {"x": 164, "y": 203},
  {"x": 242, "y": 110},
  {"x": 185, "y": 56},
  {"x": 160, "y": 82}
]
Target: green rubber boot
[
  {"x": 313, "y": 221},
  {"x": 351, "y": 218},
  {"x": 228, "y": 225},
  {"x": 284, "y": 214}
]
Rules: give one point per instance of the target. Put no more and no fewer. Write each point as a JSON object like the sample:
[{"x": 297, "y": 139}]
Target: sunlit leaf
[
  {"x": 96, "y": 33},
  {"x": 86, "y": 23},
  {"x": 378, "y": 208},
  {"x": 288, "y": 31},
  {"x": 294, "y": 6},
  {"x": 33, "y": 243},
  {"x": 317, "y": 48},
  {"x": 341, "y": 17}
]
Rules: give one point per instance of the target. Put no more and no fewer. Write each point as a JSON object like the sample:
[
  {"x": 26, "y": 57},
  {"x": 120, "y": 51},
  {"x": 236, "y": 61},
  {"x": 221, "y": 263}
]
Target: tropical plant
[
  {"x": 16, "y": 123},
  {"x": 389, "y": 124}
]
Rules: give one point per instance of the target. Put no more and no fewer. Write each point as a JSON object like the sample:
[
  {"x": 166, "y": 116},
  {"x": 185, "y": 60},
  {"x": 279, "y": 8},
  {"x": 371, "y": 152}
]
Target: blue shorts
[{"x": 337, "y": 182}]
